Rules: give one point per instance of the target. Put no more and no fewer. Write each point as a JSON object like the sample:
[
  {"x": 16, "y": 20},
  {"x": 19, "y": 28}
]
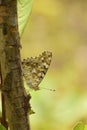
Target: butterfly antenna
[{"x": 49, "y": 89}]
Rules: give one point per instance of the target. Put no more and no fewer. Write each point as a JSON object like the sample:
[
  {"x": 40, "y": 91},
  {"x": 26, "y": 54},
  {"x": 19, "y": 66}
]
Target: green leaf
[
  {"x": 79, "y": 126},
  {"x": 85, "y": 128},
  {"x": 24, "y": 9},
  {"x": 31, "y": 112},
  {"x": 2, "y": 127}
]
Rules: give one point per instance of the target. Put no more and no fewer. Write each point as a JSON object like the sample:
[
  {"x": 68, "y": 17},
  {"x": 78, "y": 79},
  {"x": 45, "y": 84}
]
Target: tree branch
[{"x": 16, "y": 99}]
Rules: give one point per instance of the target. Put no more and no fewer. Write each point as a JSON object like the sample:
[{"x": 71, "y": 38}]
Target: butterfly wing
[{"x": 34, "y": 69}]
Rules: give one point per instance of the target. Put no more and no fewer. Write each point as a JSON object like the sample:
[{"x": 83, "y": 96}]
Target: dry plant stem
[
  {"x": 3, "y": 117},
  {"x": 16, "y": 99}
]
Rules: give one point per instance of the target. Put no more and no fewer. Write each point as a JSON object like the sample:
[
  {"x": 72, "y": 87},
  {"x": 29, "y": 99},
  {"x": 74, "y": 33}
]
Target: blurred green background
[{"x": 59, "y": 26}]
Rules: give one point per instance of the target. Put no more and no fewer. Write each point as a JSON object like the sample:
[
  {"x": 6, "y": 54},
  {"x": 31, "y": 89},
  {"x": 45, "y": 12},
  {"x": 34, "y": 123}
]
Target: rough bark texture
[{"x": 12, "y": 88}]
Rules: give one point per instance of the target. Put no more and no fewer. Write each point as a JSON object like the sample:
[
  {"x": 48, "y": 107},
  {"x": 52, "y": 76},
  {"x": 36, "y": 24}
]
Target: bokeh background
[{"x": 59, "y": 26}]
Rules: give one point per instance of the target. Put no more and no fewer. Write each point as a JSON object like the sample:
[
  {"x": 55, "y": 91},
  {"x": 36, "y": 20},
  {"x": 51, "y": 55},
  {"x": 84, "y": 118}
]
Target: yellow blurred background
[{"x": 59, "y": 26}]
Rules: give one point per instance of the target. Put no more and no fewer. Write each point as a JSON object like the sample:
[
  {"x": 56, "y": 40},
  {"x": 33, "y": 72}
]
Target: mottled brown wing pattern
[{"x": 34, "y": 69}]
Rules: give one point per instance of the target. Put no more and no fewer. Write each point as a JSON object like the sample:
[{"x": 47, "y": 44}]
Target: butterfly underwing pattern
[{"x": 34, "y": 69}]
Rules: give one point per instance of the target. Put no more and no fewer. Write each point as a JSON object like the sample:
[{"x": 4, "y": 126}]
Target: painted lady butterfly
[{"x": 34, "y": 69}]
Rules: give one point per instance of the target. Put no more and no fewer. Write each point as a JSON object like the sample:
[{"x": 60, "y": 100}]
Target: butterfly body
[{"x": 34, "y": 69}]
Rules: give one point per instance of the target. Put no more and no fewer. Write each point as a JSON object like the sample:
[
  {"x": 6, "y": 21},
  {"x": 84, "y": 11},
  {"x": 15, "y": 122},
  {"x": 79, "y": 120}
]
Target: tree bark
[{"x": 16, "y": 99}]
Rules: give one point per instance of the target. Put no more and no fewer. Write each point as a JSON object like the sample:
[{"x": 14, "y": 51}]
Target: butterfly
[{"x": 34, "y": 69}]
